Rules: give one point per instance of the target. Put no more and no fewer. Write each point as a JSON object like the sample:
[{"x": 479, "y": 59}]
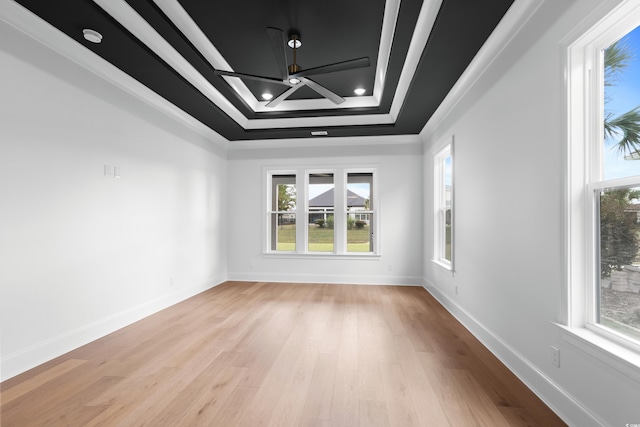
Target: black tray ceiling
[{"x": 331, "y": 31}]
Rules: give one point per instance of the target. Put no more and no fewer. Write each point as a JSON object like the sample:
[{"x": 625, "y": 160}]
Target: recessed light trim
[
  {"x": 92, "y": 35},
  {"x": 294, "y": 80},
  {"x": 360, "y": 91},
  {"x": 267, "y": 96}
]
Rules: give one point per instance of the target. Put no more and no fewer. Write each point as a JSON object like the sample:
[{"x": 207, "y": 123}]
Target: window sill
[
  {"x": 327, "y": 256},
  {"x": 442, "y": 264},
  {"x": 620, "y": 358}
]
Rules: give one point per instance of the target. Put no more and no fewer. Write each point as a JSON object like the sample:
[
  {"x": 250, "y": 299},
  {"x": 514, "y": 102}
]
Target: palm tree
[{"x": 616, "y": 59}]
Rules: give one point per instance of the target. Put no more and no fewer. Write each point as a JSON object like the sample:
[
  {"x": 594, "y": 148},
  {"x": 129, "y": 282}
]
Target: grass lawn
[{"x": 321, "y": 239}]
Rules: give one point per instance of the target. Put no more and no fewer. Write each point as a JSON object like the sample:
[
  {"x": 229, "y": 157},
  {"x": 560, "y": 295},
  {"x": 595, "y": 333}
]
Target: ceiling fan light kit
[
  {"x": 294, "y": 41},
  {"x": 293, "y": 75}
]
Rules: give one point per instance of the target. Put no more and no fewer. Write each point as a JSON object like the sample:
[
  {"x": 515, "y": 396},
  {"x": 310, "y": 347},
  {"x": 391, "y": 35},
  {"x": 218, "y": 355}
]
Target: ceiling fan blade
[
  {"x": 274, "y": 102},
  {"x": 278, "y": 43},
  {"x": 331, "y": 68},
  {"x": 336, "y": 99},
  {"x": 250, "y": 77}
]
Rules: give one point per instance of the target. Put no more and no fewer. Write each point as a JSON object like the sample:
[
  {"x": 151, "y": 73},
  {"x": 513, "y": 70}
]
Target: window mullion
[
  {"x": 340, "y": 214},
  {"x": 301, "y": 212}
]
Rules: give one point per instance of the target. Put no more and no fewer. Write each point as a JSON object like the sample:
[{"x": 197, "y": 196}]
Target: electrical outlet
[{"x": 555, "y": 356}]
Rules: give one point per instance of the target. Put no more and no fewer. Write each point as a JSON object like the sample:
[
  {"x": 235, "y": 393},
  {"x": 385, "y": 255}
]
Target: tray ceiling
[{"x": 417, "y": 51}]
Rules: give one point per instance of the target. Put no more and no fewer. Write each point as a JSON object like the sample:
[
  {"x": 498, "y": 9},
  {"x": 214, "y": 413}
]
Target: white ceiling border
[
  {"x": 183, "y": 21},
  {"x": 35, "y": 27},
  {"x": 509, "y": 26}
]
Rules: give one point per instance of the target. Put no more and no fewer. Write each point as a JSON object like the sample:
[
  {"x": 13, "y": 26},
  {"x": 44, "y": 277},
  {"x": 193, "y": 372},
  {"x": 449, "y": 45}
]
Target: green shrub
[
  {"x": 320, "y": 223},
  {"x": 351, "y": 223},
  {"x": 360, "y": 223},
  {"x": 330, "y": 222}
]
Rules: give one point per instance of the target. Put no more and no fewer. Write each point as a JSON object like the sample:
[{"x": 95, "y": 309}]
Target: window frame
[
  {"x": 440, "y": 207},
  {"x": 340, "y": 177},
  {"x": 584, "y": 104},
  {"x": 270, "y": 203}
]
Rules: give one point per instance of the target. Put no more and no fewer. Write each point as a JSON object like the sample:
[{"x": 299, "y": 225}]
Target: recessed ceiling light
[
  {"x": 294, "y": 81},
  {"x": 359, "y": 91},
  {"x": 267, "y": 96},
  {"x": 319, "y": 133},
  {"x": 92, "y": 35}
]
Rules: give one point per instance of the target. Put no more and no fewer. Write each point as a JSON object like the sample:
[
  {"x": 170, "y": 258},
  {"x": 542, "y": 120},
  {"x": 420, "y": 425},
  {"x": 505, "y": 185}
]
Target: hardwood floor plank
[
  {"x": 345, "y": 405},
  {"x": 280, "y": 354},
  {"x": 8, "y": 395},
  {"x": 373, "y": 413},
  {"x": 427, "y": 404},
  {"x": 458, "y": 413},
  {"x": 320, "y": 394},
  {"x": 400, "y": 408}
]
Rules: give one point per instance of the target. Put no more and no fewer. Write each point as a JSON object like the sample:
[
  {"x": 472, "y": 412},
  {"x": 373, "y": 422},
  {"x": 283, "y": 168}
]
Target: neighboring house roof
[{"x": 326, "y": 200}]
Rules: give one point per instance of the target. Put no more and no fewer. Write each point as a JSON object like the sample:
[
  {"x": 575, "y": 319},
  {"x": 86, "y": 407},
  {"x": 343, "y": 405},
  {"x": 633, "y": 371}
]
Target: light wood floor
[{"x": 254, "y": 354}]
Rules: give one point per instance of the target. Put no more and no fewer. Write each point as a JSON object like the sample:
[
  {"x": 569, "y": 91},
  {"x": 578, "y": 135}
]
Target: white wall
[
  {"x": 83, "y": 254},
  {"x": 509, "y": 138},
  {"x": 400, "y": 203}
]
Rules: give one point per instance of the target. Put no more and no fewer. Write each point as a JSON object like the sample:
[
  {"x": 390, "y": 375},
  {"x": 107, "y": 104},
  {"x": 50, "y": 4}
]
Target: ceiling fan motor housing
[{"x": 294, "y": 68}]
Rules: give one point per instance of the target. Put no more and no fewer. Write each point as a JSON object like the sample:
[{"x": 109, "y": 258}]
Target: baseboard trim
[
  {"x": 561, "y": 402},
  {"x": 23, "y": 360},
  {"x": 326, "y": 278}
]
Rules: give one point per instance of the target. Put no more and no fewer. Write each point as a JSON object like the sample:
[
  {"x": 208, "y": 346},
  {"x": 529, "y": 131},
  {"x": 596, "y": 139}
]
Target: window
[
  {"x": 321, "y": 208},
  {"x": 282, "y": 212},
  {"x": 603, "y": 202},
  {"x": 338, "y": 215},
  {"x": 443, "y": 207},
  {"x": 360, "y": 219}
]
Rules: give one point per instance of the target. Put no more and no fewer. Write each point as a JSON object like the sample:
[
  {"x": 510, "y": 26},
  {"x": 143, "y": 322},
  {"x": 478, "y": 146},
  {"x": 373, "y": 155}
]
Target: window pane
[
  {"x": 321, "y": 208},
  {"x": 284, "y": 231},
  {"x": 359, "y": 191},
  {"x": 447, "y": 234},
  {"x": 282, "y": 221},
  {"x": 447, "y": 183},
  {"x": 359, "y": 232},
  {"x": 284, "y": 193},
  {"x": 622, "y": 107},
  {"x": 619, "y": 305},
  {"x": 359, "y": 218},
  {"x": 321, "y": 232}
]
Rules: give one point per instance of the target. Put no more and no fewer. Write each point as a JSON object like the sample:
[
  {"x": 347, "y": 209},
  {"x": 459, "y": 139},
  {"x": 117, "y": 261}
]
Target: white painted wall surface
[
  {"x": 509, "y": 142},
  {"x": 400, "y": 210},
  {"x": 82, "y": 254}
]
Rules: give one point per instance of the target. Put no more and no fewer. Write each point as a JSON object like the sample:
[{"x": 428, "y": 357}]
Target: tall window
[
  {"x": 360, "y": 219},
  {"x": 443, "y": 207},
  {"x": 604, "y": 178},
  {"x": 328, "y": 212},
  {"x": 321, "y": 229},
  {"x": 282, "y": 213}
]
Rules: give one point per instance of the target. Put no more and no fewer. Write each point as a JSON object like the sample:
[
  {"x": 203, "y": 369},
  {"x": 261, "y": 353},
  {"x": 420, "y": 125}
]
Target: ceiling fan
[{"x": 292, "y": 75}]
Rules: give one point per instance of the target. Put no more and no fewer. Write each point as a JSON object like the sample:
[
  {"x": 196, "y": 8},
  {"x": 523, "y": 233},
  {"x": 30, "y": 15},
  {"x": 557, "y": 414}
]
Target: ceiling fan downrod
[{"x": 294, "y": 43}]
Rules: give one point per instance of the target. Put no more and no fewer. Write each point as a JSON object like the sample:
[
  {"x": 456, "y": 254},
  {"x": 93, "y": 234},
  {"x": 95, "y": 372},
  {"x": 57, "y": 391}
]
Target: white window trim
[
  {"x": 438, "y": 187},
  {"x": 583, "y": 78},
  {"x": 268, "y": 203},
  {"x": 340, "y": 211}
]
